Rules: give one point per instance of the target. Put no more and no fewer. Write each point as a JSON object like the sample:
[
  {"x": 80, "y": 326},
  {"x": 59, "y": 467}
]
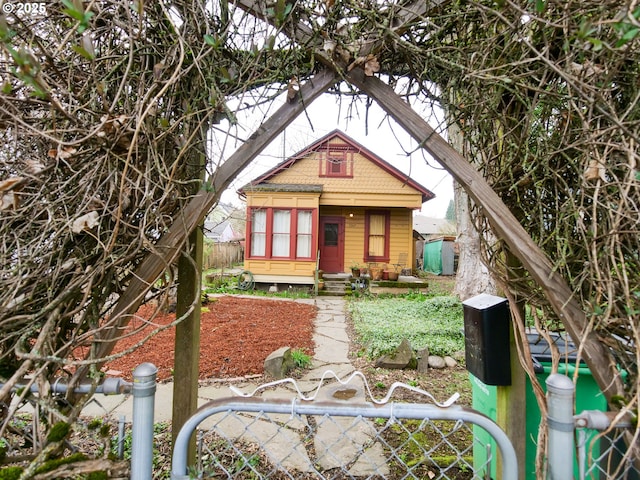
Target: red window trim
[
  {"x": 249, "y": 229},
  {"x": 387, "y": 234},
  {"x": 346, "y": 163},
  {"x": 271, "y": 233},
  {"x": 293, "y": 234}
]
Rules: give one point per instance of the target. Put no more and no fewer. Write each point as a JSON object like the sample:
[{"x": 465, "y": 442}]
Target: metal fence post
[
  {"x": 121, "y": 424},
  {"x": 560, "y": 446},
  {"x": 144, "y": 389}
]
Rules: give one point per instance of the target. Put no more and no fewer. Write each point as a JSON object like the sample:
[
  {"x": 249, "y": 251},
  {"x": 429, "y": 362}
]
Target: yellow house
[{"x": 334, "y": 204}]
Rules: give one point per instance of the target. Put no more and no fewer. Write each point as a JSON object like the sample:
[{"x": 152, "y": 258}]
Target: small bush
[{"x": 300, "y": 359}]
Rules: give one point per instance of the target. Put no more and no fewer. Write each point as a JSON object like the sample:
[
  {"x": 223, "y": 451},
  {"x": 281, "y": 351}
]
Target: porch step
[
  {"x": 342, "y": 283},
  {"x": 338, "y": 284},
  {"x": 336, "y": 277}
]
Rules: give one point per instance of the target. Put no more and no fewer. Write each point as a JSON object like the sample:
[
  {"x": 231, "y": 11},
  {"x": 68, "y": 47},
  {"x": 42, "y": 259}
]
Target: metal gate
[{"x": 292, "y": 438}]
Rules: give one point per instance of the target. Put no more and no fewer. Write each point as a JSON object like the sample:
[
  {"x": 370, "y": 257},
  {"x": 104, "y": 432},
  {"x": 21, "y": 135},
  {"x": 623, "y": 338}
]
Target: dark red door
[{"x": 332, "y": 244}]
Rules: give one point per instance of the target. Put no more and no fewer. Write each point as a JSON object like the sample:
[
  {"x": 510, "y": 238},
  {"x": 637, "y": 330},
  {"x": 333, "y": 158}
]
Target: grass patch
[
  {"x": 382, "y": 323},
  {"x": 243, "y": 284},
  {"x": 439, "y": 285},
  {"x": 300, "y": 359}
]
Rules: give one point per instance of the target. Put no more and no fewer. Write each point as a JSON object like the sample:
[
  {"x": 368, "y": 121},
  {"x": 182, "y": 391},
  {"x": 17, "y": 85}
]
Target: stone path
[{"x": 283, "y": 437}]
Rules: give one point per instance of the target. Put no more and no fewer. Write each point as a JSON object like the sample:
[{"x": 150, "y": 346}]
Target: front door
[{"x": 332, "y": 244}]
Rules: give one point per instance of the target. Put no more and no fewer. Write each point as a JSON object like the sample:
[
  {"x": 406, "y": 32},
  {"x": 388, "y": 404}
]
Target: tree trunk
[{"x": 472, "y": 276}]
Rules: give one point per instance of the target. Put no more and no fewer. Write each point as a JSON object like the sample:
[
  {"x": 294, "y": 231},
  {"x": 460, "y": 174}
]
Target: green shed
[{"x": 439, "y": 256}]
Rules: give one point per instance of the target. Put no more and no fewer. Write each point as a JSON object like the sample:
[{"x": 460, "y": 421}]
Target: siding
[
  {"x": 401, "y": 234},
  {"x": 281, "y": 267},
  {"x": 370, "y": 185},
  {"x": 283, "y": 199},
  {"x": 402, "y": 237}
]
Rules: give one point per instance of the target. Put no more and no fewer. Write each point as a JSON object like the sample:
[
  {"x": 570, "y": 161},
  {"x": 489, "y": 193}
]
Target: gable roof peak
[{"x": 322, "y": 143}]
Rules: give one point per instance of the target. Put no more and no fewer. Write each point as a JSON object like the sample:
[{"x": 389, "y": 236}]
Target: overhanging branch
[
  {"x": 170, "y": 245},
  {"x": 599, "y": 359}
]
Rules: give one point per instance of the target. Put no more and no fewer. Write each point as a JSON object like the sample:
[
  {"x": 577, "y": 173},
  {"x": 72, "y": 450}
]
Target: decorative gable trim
[{"x": 336, "y": 161}]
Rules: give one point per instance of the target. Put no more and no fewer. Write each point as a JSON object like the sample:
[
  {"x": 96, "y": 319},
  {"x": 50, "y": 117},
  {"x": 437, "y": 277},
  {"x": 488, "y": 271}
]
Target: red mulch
[{"x": 236, "y": 336}]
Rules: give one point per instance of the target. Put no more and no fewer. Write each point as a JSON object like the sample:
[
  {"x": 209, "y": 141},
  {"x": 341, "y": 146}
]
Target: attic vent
[{"x": 336, "y": 164}]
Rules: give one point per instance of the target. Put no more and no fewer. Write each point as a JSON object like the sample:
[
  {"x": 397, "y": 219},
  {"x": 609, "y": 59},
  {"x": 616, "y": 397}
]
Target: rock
[
  {"x": 450, "y": 361},
  {"x": 436, "y": 362},
  {"x": 423, "y": 360},
  {"x": 279, "y": 363},
  {"x": 401, "y": 358},
  {"x": 458, "y": 356}
]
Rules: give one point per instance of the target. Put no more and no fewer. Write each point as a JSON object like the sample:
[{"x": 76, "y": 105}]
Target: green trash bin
[{"x": 588, "y": 397}]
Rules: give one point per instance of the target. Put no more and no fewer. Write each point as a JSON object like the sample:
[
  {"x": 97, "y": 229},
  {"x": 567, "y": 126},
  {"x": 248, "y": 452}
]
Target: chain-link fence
[
  {"x": 284, "y": 438},
  {"x": 602, "y": 443},
  {"x": 96, "y": 433}
]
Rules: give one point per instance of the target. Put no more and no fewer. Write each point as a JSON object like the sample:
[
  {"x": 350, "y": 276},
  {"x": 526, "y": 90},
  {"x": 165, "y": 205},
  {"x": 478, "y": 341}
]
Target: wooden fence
[{"x": 222, "y": 255}]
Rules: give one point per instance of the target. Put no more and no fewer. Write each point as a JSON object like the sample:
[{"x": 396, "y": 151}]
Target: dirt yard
[{"x": 237, "y": 334}]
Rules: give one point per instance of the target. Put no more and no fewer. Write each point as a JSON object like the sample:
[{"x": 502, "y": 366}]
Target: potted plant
[
  {"x": 375, "y": 272},
  {"x": 320, "y": 274},
  {"x": 355, "y": 269},
  {"x": 395, "y": 274}
]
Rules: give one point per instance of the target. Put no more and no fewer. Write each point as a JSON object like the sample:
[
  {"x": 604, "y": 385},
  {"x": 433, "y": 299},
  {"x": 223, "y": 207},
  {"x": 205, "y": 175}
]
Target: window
[
  {"x": 281, "y": 233},
  {"x": 377, "y": 236},
  {"x": 258, "y": 233},
  {"x": 336, "y": 164},
  {"x": 305, "y": 231}
]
